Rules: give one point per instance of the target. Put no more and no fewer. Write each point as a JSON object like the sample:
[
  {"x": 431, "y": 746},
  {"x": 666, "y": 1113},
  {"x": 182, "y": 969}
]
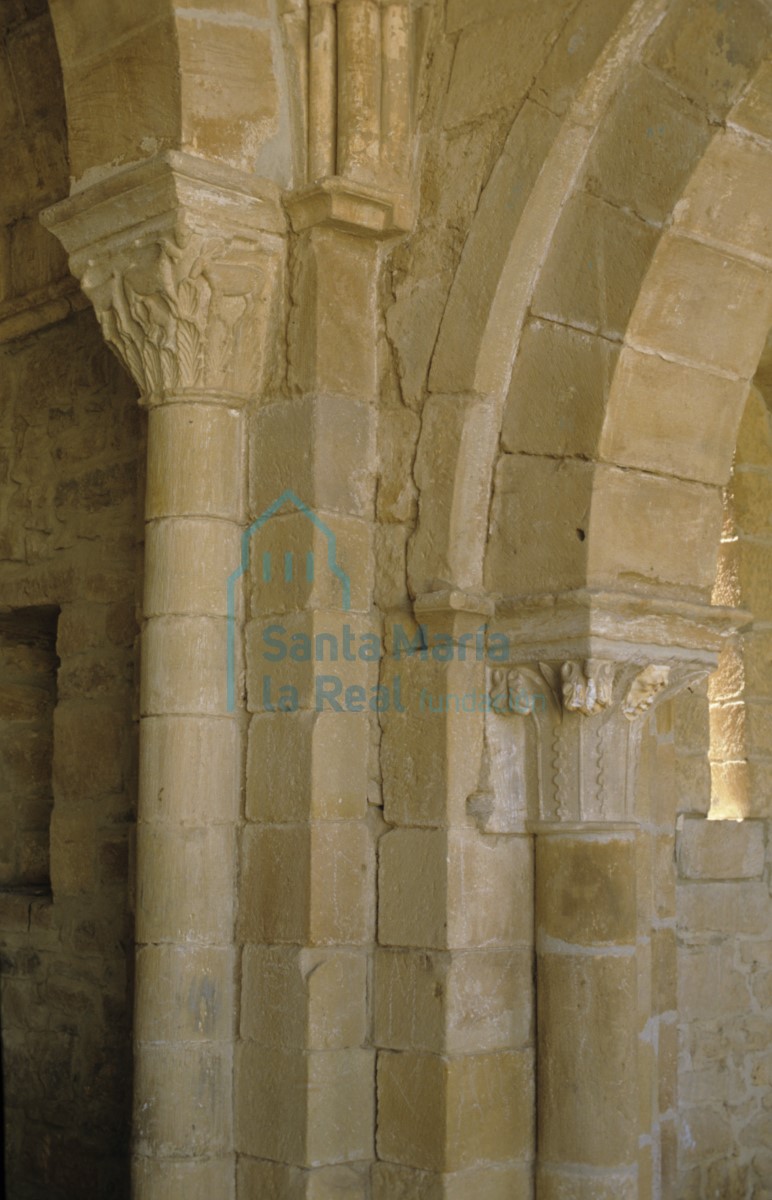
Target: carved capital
[
  {"x": 183, "y": 264},
  {"x": 574, "y": 730}
]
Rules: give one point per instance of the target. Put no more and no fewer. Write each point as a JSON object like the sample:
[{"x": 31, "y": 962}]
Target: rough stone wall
[{"x": 69, "y": 449}]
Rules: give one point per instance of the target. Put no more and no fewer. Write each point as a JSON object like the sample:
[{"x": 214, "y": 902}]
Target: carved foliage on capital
[
  {"x": 187, "y": 311},
  {"x": 579, "y": 739}
]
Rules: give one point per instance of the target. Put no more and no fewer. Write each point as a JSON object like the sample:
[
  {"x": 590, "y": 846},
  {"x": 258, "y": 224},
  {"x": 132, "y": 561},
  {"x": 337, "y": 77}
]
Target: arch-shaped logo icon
[{"x": 273, "y": 509}]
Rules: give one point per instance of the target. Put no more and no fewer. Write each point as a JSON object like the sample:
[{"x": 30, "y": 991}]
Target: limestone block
[
  {"x": 307, "y": 765},
  {"x": 275, "y": 1181},
  {"x": 664, "y": 877},
  {"x": 332, "y": 350},
  {"x": 596, "y": 264},
  {"x": 753, "y": 111},
  {"x": 486, "y": 75},
  {"x": 37, "y": 257},
  {"x": 752, "y": 502},
  {"x": 709, "y": 985},
  {"x": 181, "y": 1100},
  {"x": 453, "y": 889},
  {"x": 728, "y": 907},
  {"x": 754, "y": 567},
  {"x": 134, "y": 85},
  {"x": 705, "y": 1133},
  {"x": 390, "y": 589},
  {"x": 757, "y": 647},
  {"x": 720, "y": 849},
  {"x": 307, "y": 884},
  {"x": 320, "y": 447},
  {"x": 500, "y": 1182},
  {"x": 708, "y": 50},
  {"x": 83, "y": 32},
  {"x": 557, "y": 1184},
  {"x": 196, "y": 983},
  {"x": 557, "y": 396},
  {"x": 457, "y": 444},
  {"x": 321, "y": 1107},
  {"x": 296, "y": 561},
  {"x": 643, "y": 427},
  {"x": 754, "y": 437},
  {"x": 72, "y": 855},
  {"x": 533, "y": 547},
  {"x": 430, "y": 753},
  {"x": 677, "y": 525},
  {"x": 664, "y": 970},
  {"x": 228, "y": 89},
  {"x": 457, "y": 1003},
  {"x": 185, "y": 889},
  {"x": 587, "y": 1035},
  {"x": 398, "y": 430},
  {"x": 585, "y": 890},
  {"x": 725, "y": 199},
  {"x": 189, "y": 770},
  {"x": 187, "y": 566},
  {"x": 185, "y": 666},
  {"x": 646, "y": 147},
  {"x": 89, "y": 750},
  {"x": 195, "y": 1179},
  {"x": 704, "y": 306},
  {"x": 304, "y": 999},
  {"x": 449, "y": 1114},
  {"x": 180, "y": 438},
  {"x": 575, "y": 52},
  {"x": 322, "y": 655},
  {"x": 668, "y": 1065}
]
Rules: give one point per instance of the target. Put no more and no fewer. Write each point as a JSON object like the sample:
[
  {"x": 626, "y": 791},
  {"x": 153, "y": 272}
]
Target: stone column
[
  {"x": 182, "y": 262},
  {"x": 578, "y": 703}
]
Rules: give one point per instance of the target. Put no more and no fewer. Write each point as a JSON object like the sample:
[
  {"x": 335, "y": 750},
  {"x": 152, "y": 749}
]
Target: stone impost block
[
  {"x": 176, "y": 484},
  {"x": 197, "y": 985},
  {"x": 307, "y": 884},
  {"x": 586, "y": 889},
  {"x": 304, "y": 1109},
  {"x": 453, "y": 889},
  {"x": 185, "y": 884},
  {"x": 720, "y": 849},
  {"x": 187, "y": 566},
  {"x": 182, "y": 1103},
  {"x": 189, "y": 771},
  {"x": 307, "y": 765},
  {"x": 304, "y": 999},
  {"x": 460, "y": 1002},
  {"x": 587, "y": 1029},
  {"x": 450, "y": 1114}
]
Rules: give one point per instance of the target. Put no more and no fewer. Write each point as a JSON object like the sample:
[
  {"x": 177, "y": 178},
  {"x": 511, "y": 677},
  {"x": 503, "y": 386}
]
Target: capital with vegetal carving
[{"x": 183, "y": 263}]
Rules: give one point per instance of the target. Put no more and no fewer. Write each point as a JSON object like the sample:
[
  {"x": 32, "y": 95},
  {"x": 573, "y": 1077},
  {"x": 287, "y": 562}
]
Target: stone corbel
[{"x": 182, "y": 261}]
